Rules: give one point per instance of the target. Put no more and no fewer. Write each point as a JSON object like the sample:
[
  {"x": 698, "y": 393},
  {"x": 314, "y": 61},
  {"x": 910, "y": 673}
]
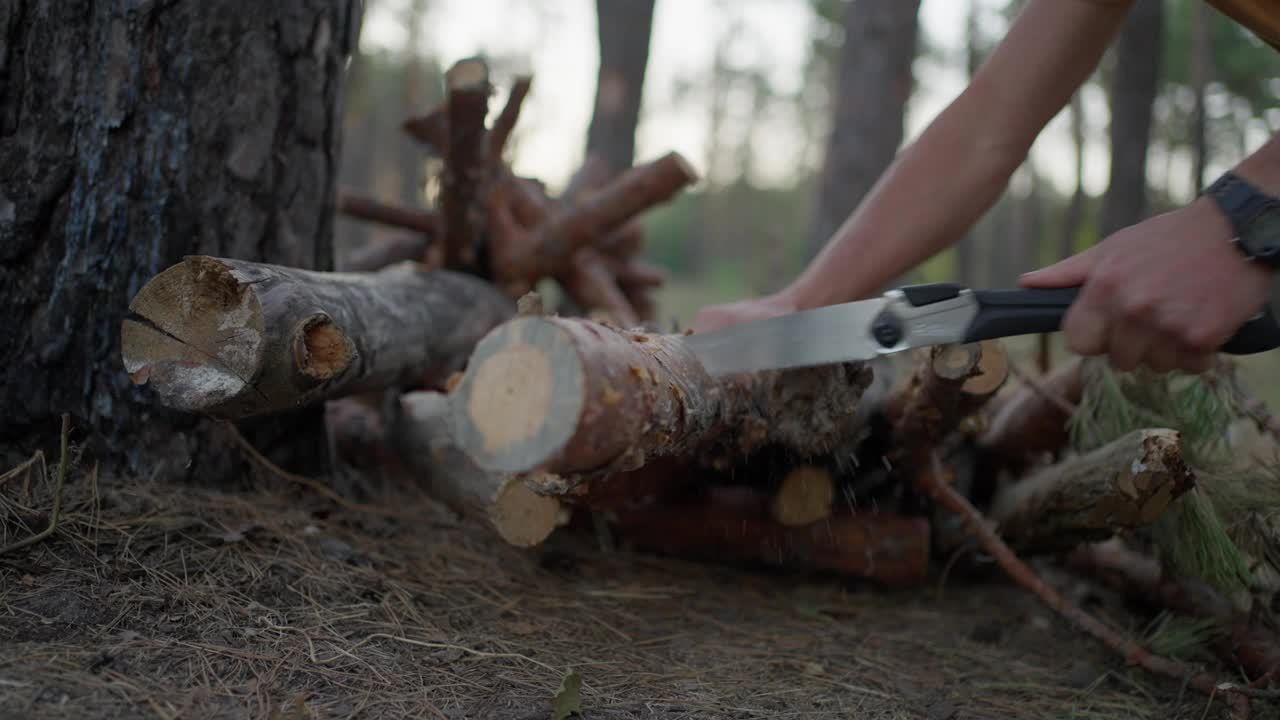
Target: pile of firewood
[{"x": 534, "y": 421}]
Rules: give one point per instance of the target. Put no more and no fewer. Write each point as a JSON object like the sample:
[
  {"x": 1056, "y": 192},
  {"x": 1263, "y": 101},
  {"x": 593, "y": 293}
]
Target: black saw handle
[{"x": 1006, "y": 313}]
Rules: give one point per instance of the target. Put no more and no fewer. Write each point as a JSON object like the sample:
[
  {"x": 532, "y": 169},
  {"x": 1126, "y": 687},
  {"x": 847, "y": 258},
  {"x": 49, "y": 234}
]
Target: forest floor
[{"x": 159, "y": 600}]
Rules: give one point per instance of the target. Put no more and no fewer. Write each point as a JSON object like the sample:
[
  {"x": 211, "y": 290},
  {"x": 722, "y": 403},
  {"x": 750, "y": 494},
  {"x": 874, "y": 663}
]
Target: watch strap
[{"x": 1239, "y": 200}]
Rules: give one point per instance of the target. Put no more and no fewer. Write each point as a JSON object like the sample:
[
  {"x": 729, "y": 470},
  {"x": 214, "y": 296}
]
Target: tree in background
[
  {"x": 132, "y": 135},
  {"x": 873, "y": 83},
  {"x": 624, "y": 27},
  {"x": 1135, "y": 83}
]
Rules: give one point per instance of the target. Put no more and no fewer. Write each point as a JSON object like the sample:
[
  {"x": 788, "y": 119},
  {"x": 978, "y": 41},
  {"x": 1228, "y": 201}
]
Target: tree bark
[
  {"x": 233, "y": 339},
  {"x": 1133, "y": 93},
  {"x": 873, "y": 83},
  {"x": 1201, "y": 75},
  {"x": 572, "y": 396},
  {"x": 734, "y": 522},
  {"x": 1124, "y": 485},
  {"x": 504, "y": 503},
  {"x": 133, "y": 134},
  {"x": 623, "y": 29}
]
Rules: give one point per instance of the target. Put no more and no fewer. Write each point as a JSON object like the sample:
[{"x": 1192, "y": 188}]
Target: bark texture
[
  {"x": 734, "y": 522},
  {"x": 569, "y": 396},
  {"x": 1123, "y": 485},
  {"x": 1136, "y": 79},
  {"x": 233, "y": 339},
  {"x": 623, "y": 29},
  {"x": 133, "y": 134},
  {"x": 873, "y": 84}
]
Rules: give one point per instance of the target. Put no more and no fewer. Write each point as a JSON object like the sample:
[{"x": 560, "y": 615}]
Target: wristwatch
[{"x": 1254, "y": 217}]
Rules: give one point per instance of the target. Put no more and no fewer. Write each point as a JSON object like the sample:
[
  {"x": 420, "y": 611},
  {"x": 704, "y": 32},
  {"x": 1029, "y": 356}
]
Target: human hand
[
  {"x": 1165, "y": 293},
  {"x": 714, "y": 317}
]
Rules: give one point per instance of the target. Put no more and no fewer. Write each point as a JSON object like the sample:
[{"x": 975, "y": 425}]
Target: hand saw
[{"x": 910, "y": 317}]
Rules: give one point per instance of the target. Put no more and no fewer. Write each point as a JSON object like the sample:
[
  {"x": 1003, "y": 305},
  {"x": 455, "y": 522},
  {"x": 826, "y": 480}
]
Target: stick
[
  {"x": 231, "y": 338},
  {"x": 468, "y": 83},
  {"x": 506, "y": 120},
  {"x": 366, "y": 208}
]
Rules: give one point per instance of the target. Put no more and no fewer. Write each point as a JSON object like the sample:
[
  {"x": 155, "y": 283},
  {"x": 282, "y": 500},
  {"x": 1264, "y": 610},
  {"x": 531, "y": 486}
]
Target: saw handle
[{"x": 1006, "y": 313}]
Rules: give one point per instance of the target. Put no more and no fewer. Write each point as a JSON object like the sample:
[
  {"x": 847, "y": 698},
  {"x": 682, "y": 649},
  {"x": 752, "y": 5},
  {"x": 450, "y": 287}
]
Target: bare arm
[{"x": 955, "y": 171}]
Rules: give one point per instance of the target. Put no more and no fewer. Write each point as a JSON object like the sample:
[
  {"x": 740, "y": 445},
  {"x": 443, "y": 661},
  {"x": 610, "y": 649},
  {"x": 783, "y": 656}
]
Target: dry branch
[
  {"x": 506, "y": 120},
  {"x": 468, "y": 104},
  {"x": 504, "y": 503},
  {"x": 378, "y": 254},
  {"x": 569, "y": 395},
  {"x": 431, "y": 129},
  {"x": 1123, "y": 485},
  {"x": 1033, "y": 419},
  {"x": 366, "y": 208},
  {"x": 231, "y": 338},
  {"x": 734, "y": 522}
]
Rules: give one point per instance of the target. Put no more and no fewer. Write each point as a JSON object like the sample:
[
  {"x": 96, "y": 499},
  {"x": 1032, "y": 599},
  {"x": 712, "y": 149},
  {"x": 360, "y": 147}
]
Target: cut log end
[
  {"x": 522, "y": 396},
  {"x": 468, "y": 74},
  {"x": 321, "y": 351},
  {"x": 805, "y": 496},
  {"x": 196, "y": 335},
  {"x": 522, "y": 517},
  {"x": 992, "y": 371}
]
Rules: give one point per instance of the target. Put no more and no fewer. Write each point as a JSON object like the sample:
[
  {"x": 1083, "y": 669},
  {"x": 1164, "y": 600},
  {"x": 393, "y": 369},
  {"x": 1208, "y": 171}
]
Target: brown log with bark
[
  {"x": 574, "y": 396},
  {"x": 231, "y": 338},
  {"x": 735, "y": 522},
  {"x": 503, "y": 502},
  {"x": 1122, "y": 486},
  {"x": 1239, "y": 641},
  {"x": 1033, "y": 420},
  {"x": 655, "y": 482}
]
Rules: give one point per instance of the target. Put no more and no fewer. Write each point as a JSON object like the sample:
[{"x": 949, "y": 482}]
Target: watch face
[{"x": 1262, "y": 237}]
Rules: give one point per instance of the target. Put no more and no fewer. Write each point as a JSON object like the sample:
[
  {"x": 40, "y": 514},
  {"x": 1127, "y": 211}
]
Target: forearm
[{"x": 955, "y": 171}]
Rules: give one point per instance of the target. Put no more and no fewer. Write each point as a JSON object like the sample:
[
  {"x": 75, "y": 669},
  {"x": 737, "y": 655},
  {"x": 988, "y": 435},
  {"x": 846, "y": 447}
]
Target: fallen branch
[
  {"x": 1121, "y": 486},
  {"x": 931, "y": 481},
  {"x": 231, "y": 338},
  {"x": 366, "y": 208},
  {"x": 503, "y": 502},
  {"x": 950, "y": 383},
  {"x": 1034, "y": 419},
  {"x": 465, "y": 161},
  {"x": 506, "y": 120},
  {"x": 734, "y": 522},
  {"x": 573, "y": 396},
  {"x": 378, "y": 254},
  {"x": 431, "y": 129}
]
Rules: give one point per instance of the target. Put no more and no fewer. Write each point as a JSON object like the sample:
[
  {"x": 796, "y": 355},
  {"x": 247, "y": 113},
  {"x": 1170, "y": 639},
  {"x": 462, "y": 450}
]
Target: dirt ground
[{"x": 156, "y": 600}]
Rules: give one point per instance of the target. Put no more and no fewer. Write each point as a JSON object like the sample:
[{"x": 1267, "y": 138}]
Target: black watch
[{"x": 1254, "y": 216}]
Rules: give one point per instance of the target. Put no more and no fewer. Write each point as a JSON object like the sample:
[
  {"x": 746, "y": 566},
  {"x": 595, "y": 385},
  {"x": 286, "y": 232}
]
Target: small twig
[
  {"x": 506, "y": 120},
  {"x": 366, "y": 208},
  {"x": 929, "y": 482},
  {"x": 57, "y": 493}
]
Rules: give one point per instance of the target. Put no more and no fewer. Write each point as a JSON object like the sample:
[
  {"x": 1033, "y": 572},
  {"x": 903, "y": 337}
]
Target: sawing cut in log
[
  {"x": 735, "y": 522},
  {"x": 1123, "y": 485},
  {"x": 424, "y": 439},
  {"x": 570, "y": 395},
  {"x": 231, "y": 338}
]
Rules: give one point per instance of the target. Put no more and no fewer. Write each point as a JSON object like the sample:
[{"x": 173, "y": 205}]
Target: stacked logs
[{"x": 433, "y": 354}]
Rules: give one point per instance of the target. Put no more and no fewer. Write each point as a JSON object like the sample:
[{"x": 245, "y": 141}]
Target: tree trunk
[
  {"x": 1201, "y": 75},
  {"x": 133, "y": 134},
  {"x": 624, "y": 27},
  {"x": 873, "y": 84},
  {"x": 1133, "y": 93}
]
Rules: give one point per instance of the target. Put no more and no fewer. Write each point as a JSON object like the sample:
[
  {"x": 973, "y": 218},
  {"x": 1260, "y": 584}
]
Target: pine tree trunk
[
  {"x": 624, "y": 27},
  {"x": 873, "y": 84},
  {"x": 1133, "y": 93},
  {"x": 131, "y": 135}
]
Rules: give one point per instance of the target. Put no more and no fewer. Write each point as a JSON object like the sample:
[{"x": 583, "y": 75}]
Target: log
[
  {"x": 1123, "y": 485},
  {"x": 1241, "y": 641},
  {"x": 734, "y": 522},
  {"x": 570, "y": 396},
  {"x": 465, "y": 161},
  {"x": 950, "y": 383},
  {"x": 804, "y": 496},
  {"x": 1033, "y": 420},
  {"x": 655, "y": 482},
  {"x": 232, "y": 339},
  {"x": 592, "y": 285},
  {"x": 503, "y": 502}
]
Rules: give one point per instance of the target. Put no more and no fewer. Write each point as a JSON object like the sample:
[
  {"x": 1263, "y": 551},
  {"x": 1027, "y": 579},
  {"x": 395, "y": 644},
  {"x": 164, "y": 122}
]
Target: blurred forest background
[{"x": 790, "y": 109}]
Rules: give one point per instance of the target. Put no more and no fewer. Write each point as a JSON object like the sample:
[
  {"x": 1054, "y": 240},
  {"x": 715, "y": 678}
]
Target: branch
[
  {"x": 468, "y": 83},
  {"x": 506, "y": 120},
  {"x": 367, "y": 208}
]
